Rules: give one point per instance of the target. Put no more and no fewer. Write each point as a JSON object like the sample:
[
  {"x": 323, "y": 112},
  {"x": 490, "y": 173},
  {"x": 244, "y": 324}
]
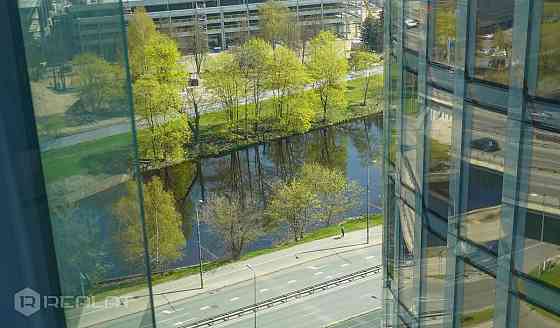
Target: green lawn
[
  {"x": 475, "y": 318},
  {"x": 128, "y": 286},
  {"x": 108, "y": 155}
]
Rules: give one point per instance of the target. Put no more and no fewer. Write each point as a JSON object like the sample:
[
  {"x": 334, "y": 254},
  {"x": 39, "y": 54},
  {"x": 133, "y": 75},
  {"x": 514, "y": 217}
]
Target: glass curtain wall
[
  {"x": 478, "y": 234},
  {"x": 82, "y": 106}
]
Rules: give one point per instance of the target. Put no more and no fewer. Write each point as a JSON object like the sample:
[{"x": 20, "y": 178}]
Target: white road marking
[
  {"x": 291, "y": 281},
  {"x": 344, "y": 265},
  {"x": 205, "y": 308},
  {"x": 234, "y": 299},
  {"x": 264, "y": 290},
  {"x": 318, "y": 273},
  {"x": 184, "y": 322},
  {"x": 328, "y": 277},
  {"x": 369, "y": 257},
  {"x": 315, "y": 268},
  {"x": 167, "y": 311}
]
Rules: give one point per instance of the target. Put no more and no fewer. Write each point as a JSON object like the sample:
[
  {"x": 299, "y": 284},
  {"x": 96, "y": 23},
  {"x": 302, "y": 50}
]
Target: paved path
[{"x": 290, "y": 266}]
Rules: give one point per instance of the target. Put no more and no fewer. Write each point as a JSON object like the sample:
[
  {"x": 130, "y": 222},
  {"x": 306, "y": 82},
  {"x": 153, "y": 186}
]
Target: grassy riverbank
[
  {"x": 131, "y": 285},
  {"x": 112, "y": 155}
]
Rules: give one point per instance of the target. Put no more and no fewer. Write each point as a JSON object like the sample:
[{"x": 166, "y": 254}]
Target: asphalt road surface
[{"x": 233, "y": 297}]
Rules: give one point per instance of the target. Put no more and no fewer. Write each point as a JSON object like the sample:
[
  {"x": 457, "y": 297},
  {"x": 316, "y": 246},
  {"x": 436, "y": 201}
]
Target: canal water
[{"x": 253, "y": 171}]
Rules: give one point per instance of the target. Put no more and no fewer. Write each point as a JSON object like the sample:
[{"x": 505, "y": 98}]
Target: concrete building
[{"x": 224, "y": 21}]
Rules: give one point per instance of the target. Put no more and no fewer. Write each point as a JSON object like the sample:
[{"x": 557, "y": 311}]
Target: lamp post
[
  {"x": 250, "y": 267},
  {"x": 199, "y": 244}
]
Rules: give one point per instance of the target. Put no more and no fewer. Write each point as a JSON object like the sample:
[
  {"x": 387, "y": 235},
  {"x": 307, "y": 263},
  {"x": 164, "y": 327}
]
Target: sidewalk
[{"x": 228, "y": 275}]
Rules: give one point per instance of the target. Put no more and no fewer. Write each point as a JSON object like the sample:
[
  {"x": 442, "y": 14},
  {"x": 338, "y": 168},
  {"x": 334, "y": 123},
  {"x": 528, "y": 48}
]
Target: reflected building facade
[{"x": 472, "y": 140}]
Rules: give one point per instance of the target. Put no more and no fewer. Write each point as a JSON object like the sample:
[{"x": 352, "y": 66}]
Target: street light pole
[
  {"x": 250, "y": 267},
  {"x": 199, "y": 244}
]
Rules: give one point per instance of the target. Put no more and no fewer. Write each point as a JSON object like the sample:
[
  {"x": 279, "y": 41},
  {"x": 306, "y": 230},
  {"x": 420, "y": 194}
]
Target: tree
[
  {"x": 224, "y": 80},
  {"x": 286, "y": 79},
  {"x": 363, "y": 61},
  {"x": 327, "y": 67},
  {"x": 237, "y": 222},
  {"x": 79, "y": 246},
  {"x": 163, "y": 225},
  {"x": 196, "y": 98},
  {"x": 372, "y": 33},
  {"x": 141, "y": 29},
  {"x": 277, "y": 24},
  {"x": 255, "y": 59},
  {"x": 307, "y": 33},
  {"x": 301, "y": 114},
  {"x": 158, "y": 101},
  {"x": 101, "y": 83},
  {"x": 199, "y": 43},
  {"x": 293, "y": 203},
  {"x": 335, "y": 194}
]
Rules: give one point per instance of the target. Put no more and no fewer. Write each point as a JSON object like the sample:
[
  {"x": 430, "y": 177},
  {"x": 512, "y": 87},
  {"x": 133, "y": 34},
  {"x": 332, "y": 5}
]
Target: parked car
[
  {"x": 488, "y": 145},
  {"x": 410, "y": 23}
]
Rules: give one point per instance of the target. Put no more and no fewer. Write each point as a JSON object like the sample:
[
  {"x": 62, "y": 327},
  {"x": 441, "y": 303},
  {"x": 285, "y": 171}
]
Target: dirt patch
[{"x": 48, "y": 102}]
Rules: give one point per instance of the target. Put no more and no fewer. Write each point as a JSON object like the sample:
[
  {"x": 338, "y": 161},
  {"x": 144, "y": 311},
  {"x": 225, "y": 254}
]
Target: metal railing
[{"x": 282, "y": 299}]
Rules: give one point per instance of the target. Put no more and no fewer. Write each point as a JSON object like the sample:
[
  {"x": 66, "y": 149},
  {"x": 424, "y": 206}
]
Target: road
[
  {"x": 229, "y": 298},
  {"x": 121, "y": 128},
  {"x": 320, "y": 310}
]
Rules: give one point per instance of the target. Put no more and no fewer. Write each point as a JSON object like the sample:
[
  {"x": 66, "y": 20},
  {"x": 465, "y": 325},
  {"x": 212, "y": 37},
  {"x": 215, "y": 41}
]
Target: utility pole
[
  {"x": 250, "y": 267},
  {"x": 200, "y": 202}
]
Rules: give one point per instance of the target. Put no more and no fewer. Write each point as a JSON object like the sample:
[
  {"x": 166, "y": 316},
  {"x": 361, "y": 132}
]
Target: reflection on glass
[
  {"x": 548, "y": 85},
  {"x": 486, "y": 162},
  {"x": 433, "y": 275},
  {"x": 444, "y": 31},
  {"x": 535, "y": 317},
  {"x": 79, "y": 90},
  {"x": 479, "y": 297},
  {"x": 414, "y": 13},
  {"x": 407, "y": 294},
  {"x": 539, "y": 242},
  {"x": 410, "y": 113},
  {"x": 438, "y": 147},
  {"x": 494, "y": 23}
]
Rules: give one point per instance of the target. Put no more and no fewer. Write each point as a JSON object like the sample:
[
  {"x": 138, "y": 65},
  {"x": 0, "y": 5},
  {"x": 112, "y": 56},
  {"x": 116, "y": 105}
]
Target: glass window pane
[
  {"x": 410, "y": 113},
  {"x": 479, "y": 297},
  {"x": 486, "y": 161},
  {"x": 76, "y": 64},
  {"x": 494, "y": 23},
  {"x": 548, "y": 85},
  {"x": 539, "y": 241},
  {"x": 535, "y": 317},
  {"x": 433, "y": 275},
  {"x": 414, "y": 13},
  {"x": 444, "y": 33},
  {"x": 438, "y": 148},
  {"x": 407, "y": 294}
]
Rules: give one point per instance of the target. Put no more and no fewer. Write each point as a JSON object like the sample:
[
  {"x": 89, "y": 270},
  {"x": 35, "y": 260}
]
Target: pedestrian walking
[{"x": 341, "y": 230}]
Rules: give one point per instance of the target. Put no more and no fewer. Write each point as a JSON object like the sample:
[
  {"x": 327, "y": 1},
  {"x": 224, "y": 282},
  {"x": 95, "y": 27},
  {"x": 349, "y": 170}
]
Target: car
[
  {"x": 410, "y": 23},
  {"x": 488, "y": 145},
  {"x": 541, "y": 116},
  {"x": 487, "y": 51},
  {"x": 487, "y": 36}
]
